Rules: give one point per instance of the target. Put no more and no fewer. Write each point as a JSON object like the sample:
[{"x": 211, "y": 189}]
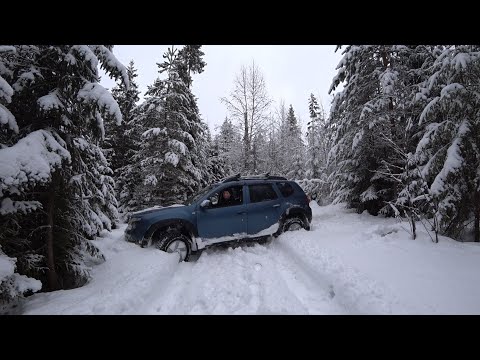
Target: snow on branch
[
  {"x": 8, "y": 206},
  {"x": 50, "y": 101},
  {"x": 6, "y": 91},
  {"x": 453, "y": 161},
  {"x": 6, "y": 117},
  {"x": 87, "y": 54},
  {"x": 96, "y": 93},
  {"x": 31, "y": 159},
  {"x": 111, "y": 64}
]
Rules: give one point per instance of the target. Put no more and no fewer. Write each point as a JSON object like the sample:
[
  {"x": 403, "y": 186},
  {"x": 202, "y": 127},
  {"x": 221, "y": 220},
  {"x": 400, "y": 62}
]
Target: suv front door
[
  {"x": 263, "y": 209},
  {"x": 223, "y": 217}
]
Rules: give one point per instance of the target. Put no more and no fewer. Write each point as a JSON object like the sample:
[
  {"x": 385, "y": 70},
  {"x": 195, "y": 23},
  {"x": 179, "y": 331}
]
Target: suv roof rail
[
  {"x": 266, "y": 176},
  {"x": 231, "y": 178}
]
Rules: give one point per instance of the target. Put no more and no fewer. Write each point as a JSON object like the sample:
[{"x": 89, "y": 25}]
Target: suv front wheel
[{"x": 174, "y": 242}]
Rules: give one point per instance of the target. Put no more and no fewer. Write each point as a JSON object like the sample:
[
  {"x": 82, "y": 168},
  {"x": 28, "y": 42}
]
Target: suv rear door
[{"x": 263, "y": 208}]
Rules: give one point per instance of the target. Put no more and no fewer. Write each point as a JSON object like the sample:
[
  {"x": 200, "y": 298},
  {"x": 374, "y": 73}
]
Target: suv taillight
[{"x": 308, "y": 199}]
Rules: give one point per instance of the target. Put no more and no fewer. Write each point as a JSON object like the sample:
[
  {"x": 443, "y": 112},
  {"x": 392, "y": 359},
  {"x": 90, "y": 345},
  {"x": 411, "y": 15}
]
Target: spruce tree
[
  {"x": 295, "y": 153},
  {"x": 123, "y": 141},
  {"x": 61, "y": 177},
  {"x": 448, "y": 154},
  {"x": 169, "y": 159}
]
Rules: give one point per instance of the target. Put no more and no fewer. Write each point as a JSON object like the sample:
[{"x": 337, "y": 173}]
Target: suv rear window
[
  {"x": 262, "y": 192},
  {"x": 285, "y": 188}
]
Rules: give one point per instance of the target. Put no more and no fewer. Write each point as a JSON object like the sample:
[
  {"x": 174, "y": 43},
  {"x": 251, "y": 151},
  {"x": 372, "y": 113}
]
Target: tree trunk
[
  {"x": 246, "y": 142},
  {"x": 477, "y": 216},
  {"x": 255, "y": 156},
  {"x": 414, "y": 226},
  {"x": 52, "y": 274}
]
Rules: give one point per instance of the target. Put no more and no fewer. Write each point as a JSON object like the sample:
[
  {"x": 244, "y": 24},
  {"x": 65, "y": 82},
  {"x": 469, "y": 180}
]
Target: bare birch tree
[{"x": 248, "y": 104}]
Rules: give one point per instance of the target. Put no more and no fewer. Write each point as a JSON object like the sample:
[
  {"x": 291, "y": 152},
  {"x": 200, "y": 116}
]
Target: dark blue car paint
[{"x": 234, "y": 221}]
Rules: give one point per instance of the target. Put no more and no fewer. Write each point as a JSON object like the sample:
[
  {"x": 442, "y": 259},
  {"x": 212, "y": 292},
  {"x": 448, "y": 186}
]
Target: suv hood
[{"x": 155, "y": 209}]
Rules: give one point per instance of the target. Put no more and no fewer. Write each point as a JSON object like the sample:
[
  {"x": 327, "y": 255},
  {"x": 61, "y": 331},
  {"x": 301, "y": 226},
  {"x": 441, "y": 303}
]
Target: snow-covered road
[{"x": 347, "y": 264}]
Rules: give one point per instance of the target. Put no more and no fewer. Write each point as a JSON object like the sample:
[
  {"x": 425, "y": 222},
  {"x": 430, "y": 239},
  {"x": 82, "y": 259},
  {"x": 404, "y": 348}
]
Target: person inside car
[{"x": 227, "y": 198}]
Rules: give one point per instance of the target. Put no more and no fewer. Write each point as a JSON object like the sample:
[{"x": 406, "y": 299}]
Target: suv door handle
[
  {"x": 241, "y": 213},
  {"x": 276, "y": 205}
]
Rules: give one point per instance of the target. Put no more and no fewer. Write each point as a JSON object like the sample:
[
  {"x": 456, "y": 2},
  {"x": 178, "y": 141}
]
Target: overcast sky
[{"x": 291, "y": 72}]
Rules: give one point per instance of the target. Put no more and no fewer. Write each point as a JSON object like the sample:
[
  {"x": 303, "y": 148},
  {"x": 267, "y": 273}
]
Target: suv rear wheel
[{"x": 174, "y": 242}]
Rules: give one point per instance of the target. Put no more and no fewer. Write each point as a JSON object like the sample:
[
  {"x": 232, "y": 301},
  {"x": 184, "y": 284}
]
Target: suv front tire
[{"x": 174, "y": 241}]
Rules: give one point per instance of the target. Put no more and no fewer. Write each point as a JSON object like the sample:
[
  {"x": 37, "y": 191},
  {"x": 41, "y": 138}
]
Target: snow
[
  {"x": 109, "y": 61},
  {"x": 26, "y": 77},
  {"x": 32, "y": 158},
  {"x": 461, "y": 60},
  {"x": 94, "y": 92},
  {"x": 348, "y": 263},
  {"x": 387, "y": 81},
  {"x": 155, "y": 132},
  {"x": 453, "y": 161},
  {"x": 8, "y": 206},
  {"x": 50, "y": 101},
  {"x": 369, "y": 194},
  {"x": 356, "y": 139},
  {"x": 155, "y": 208},
  {"x": 202, "y": 243},
  {"x": 6, "y": 91},
  {"x": 150, "y": 180},
  {"x": 24, "y": 283},
  {"x": 172, "y": 158},
  {"x": 21, "y": 283},
  {"x": 429, "y": 107},
  {"x": 178, "y": 145},
  {"x": 7, "y": 266},
  {"x": 87, "y": 54},
  {"x": 450, "y": 88},
  {"x": 6, "y": 117}
]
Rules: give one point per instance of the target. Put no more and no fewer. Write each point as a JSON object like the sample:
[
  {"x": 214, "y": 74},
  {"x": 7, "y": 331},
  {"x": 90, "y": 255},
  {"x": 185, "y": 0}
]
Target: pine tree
[
  {"x": 66, "y": 186},
  {"x": 448, "y": 154},
  {"x": 295, "y": 147},
  {"x": 169, "y": 158},
  {"x": 314, "y": 133},
  {"x": 217, "y": 166},
  {"x": 227, "y": 141},
  {"x": 370, "y": 109},
  {"x": 123, "y": 141},
  {"x": 190, "y": 61}
]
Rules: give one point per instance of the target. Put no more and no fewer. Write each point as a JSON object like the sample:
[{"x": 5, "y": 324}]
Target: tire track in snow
[
  {"x": 354, "y": 292},
  {"x": 244, "y": 280},
  {"x": 310, "y": 287}
]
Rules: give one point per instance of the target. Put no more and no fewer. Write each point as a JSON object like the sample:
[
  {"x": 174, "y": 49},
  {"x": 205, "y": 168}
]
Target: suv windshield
[{"x": 198, "y": 195}]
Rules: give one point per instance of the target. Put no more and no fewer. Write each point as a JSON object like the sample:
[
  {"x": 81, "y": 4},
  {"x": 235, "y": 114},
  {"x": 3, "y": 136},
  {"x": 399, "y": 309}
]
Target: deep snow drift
[{"x": 347, "y": 264}]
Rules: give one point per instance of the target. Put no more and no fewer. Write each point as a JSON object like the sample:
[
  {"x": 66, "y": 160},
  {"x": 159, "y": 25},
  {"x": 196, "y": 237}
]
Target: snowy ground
[{"x": 347, "y": 264}]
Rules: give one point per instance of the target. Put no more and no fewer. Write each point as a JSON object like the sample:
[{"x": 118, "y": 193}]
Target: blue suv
[{"x": 237, "y": 208}]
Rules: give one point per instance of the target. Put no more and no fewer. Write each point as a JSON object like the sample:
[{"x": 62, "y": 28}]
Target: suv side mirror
[
  {"x": 205, "y": 203},
  {"x": 214, "y": 199}
]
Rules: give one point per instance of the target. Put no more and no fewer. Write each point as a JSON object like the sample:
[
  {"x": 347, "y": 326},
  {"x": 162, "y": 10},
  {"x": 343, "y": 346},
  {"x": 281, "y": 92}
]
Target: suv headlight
[{"x": 132, "y": 223}]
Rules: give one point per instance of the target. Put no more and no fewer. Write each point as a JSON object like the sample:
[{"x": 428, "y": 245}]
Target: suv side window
[
  {"x": 230, "y": 196},
  {"x": 285, "y": 188},
  {"x": 261, "y": 192}
]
